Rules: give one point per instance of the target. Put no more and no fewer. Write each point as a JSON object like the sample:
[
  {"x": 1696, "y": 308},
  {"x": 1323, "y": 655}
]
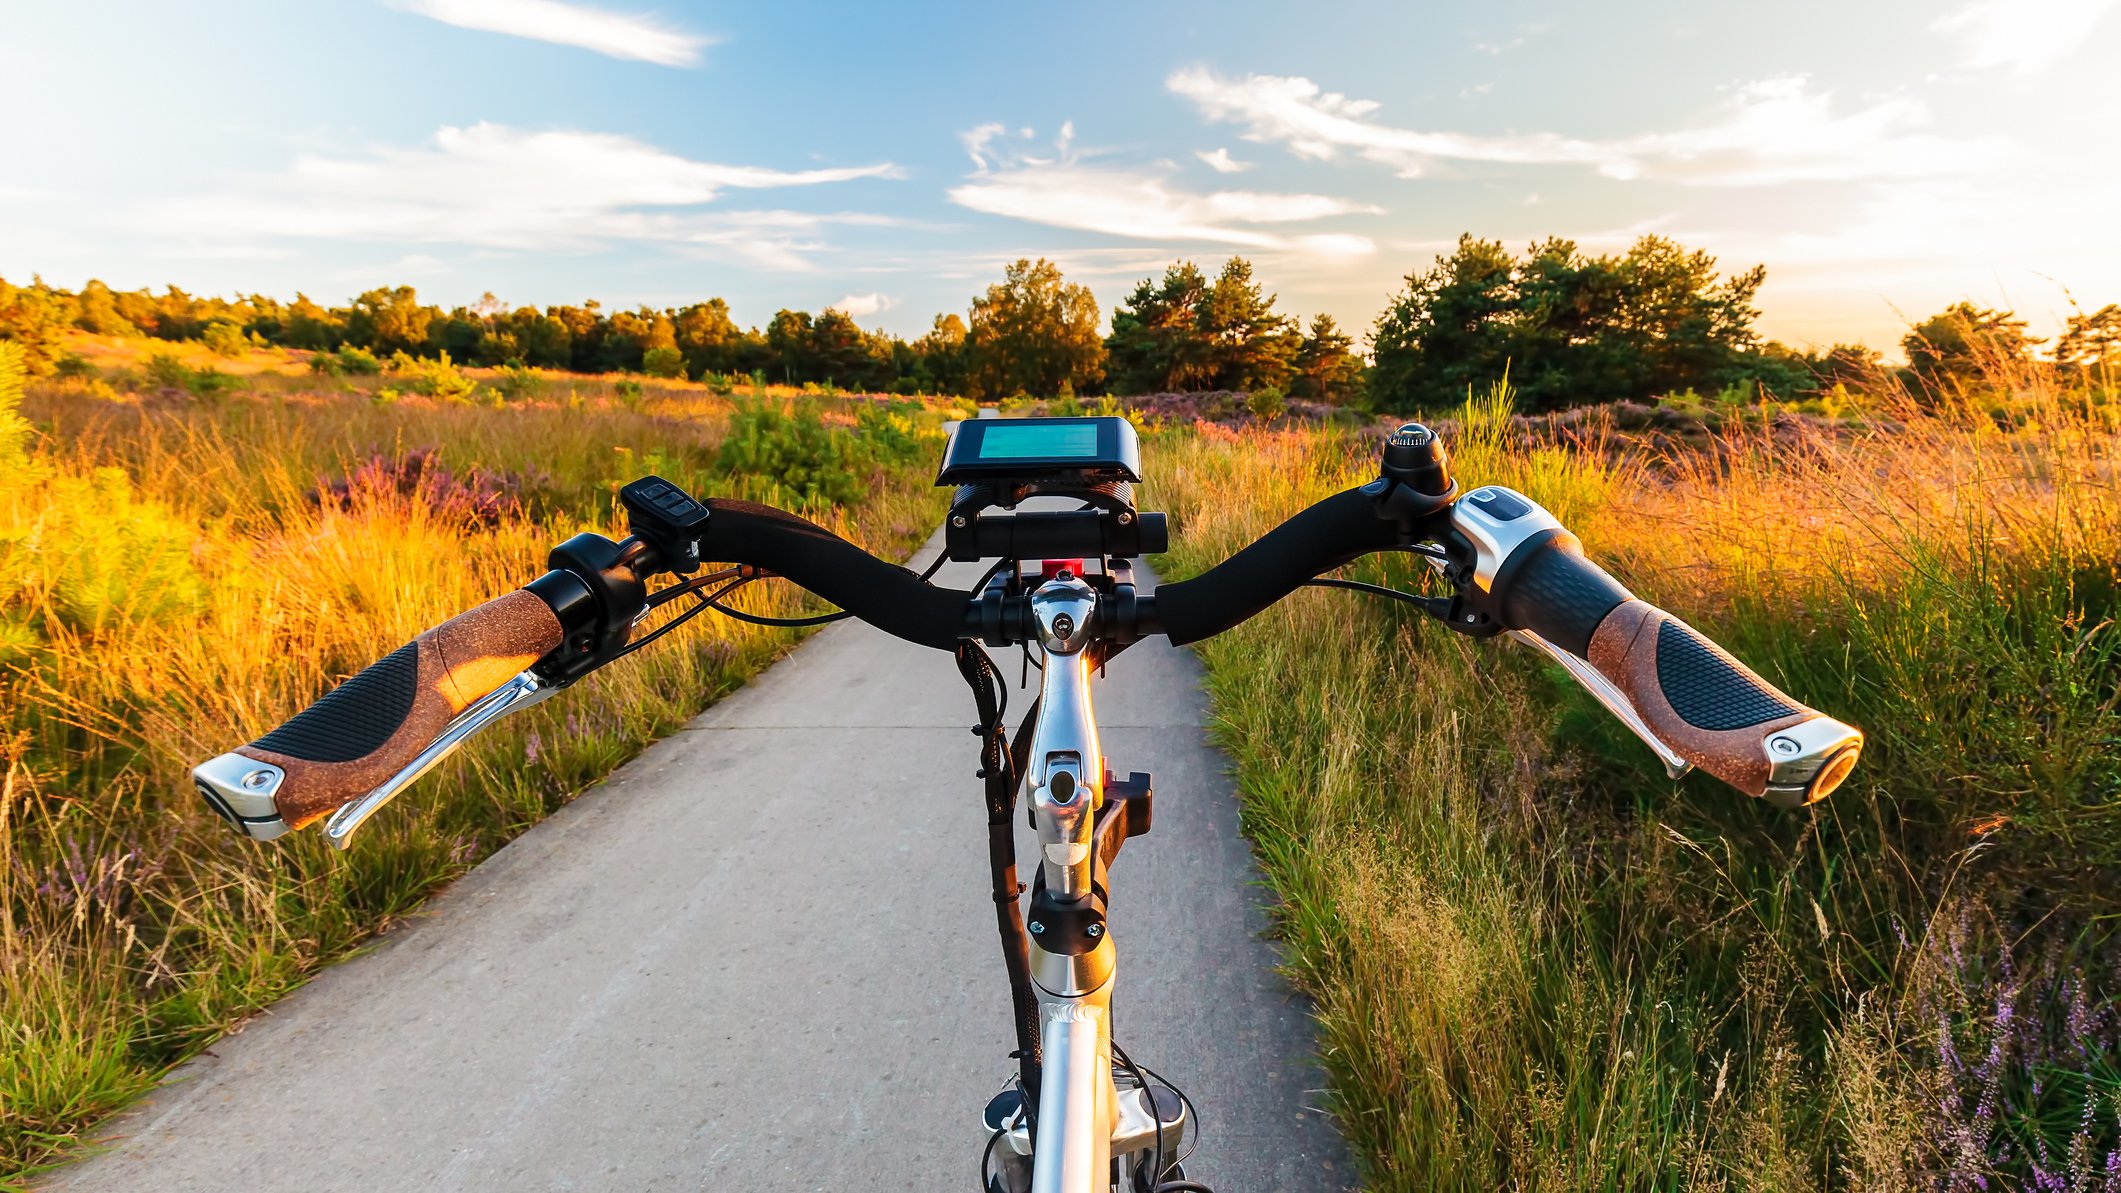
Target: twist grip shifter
[{"x": 1688, "y": 698}]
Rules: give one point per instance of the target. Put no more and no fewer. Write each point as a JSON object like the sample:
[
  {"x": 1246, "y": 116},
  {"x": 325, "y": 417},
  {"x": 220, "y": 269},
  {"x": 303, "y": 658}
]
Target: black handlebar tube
[
  {"x": 1337, "y": 530},
  {"x": 886, "y": 596}
]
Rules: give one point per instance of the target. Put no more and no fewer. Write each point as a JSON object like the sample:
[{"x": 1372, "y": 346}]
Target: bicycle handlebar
[
  {"x": 1526, "y": 573},
  {"x": 1335, "y": 531}
]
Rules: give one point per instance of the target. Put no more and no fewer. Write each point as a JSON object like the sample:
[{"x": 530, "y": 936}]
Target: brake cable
[{"x": 1437, "y": 607}]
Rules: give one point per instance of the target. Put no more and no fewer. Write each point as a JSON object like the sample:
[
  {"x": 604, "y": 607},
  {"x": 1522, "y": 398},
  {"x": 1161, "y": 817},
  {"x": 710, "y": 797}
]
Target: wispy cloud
[
  {"x": 1767, "y": 132},
  {"x": 1221, "y": 162},
  {"x": 1060, "y": 190},
  {"x": 2025, "y": 35},
  {"x": 615, "y": 34},
  {"x": 861, "y": 306},
  {"x": 493, "y": 186}
]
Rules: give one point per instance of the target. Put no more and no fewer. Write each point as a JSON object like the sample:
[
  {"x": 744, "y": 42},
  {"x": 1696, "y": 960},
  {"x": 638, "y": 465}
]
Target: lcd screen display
[{"x": 1039, "y": 441}]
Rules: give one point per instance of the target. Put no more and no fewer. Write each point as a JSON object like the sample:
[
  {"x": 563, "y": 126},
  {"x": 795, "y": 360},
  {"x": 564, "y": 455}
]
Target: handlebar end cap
[
  {"x": 240, "y": 791},
  {"x": 1808, "y": 761}
]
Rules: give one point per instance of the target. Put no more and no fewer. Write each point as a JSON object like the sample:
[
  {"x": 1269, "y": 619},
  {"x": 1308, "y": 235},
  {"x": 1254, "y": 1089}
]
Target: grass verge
[{"x": 1539, "y": 964}]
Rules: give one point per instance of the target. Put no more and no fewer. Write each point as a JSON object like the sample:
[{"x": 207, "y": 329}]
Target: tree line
[
  {"x": 1033, "y": 332},
  {"x": 1565, "y": 326}
]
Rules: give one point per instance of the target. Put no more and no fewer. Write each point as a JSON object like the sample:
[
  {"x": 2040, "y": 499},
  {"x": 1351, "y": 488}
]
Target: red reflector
[{"x": 1054, "y": 567}]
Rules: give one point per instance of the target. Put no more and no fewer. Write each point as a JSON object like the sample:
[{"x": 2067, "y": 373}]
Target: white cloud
[
  {"x": 1221, "y": 162},
  {"x": 1768, "y": 132},
  {"x": 498, "y": 187},
  {"x": 2025, "y": 35},
  {"x": 615, "y": 34},
  {"x": 976, "y": 141},
  {"x": 861, "y": 306},
  {"x": 1063, "y": 192}
]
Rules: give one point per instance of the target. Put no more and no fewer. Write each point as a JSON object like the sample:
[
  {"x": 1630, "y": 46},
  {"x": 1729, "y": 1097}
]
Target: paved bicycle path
[{"x": 759, "y": 957}]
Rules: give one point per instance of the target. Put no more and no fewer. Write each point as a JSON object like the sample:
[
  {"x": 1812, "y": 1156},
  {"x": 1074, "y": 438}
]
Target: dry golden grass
[
  {"x": 1539, "y": 964},
  {"x": 178, "y": 579}
]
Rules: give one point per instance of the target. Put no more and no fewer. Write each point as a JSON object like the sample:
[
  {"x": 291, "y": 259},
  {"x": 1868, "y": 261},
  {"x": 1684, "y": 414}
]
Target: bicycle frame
[{"x": 1084, "y": 1120}]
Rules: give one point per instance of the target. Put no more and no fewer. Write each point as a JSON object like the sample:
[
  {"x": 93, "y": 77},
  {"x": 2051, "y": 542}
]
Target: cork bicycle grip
[
  {"x": 365, "y": 730},
  {"x": 1717, "y": 713},
  {"x": 1712, "y": 710}
]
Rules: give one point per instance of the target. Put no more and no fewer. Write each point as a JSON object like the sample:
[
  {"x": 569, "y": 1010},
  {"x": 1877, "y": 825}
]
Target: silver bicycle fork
[{"x": 1084, "y": 1118}]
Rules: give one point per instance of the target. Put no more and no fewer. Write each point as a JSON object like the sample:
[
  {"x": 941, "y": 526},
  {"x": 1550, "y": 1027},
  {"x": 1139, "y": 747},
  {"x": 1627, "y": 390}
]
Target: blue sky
[{"x": 1882, "y": 159}]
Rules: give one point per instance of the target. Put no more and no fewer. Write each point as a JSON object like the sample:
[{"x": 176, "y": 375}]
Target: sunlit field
[
  {"x": 187, "y": 564},
  {"x": 1540, "y": 964},
  {"x": 1537, "y": 963}
]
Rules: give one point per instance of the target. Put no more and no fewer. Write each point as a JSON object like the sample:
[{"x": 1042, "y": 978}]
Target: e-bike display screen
[
  {"x": 1035, "y": 441},
  {"x": 1035, "y": 450}
]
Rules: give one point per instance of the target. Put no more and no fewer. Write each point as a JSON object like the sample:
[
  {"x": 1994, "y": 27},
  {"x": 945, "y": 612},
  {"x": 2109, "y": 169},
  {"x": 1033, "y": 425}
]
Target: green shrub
[
  {"x": 437, "y": 378},
  {"x": 210, "y": 384},
  {"x": 167, "y": 371},
  {"x": 74, "y": 365},
  {"x": 1266, "y": 404},
  {"x": 357, "y": 362},
  {"x": 795, "y": 450},
  {"x": 897, "y": 432},
  {"x": 517, "y": 381},
  {"x": 348, "y": 361},
  {"x": 223, "y": 338},
  {"x": 663, "y": 362},
  {"x": 629, "y": 393}
]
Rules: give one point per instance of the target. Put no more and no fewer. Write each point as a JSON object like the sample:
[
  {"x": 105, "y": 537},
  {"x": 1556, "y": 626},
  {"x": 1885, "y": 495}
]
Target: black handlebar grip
[
  {"x": 367, "y": 729},
  {"x": 1548, "y": 586}
]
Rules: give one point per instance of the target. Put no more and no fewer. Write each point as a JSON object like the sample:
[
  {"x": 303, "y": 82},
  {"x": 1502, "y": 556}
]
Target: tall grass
[
  {"x": 180, "y": 574},
  {"x": 1540, "y": 964}
]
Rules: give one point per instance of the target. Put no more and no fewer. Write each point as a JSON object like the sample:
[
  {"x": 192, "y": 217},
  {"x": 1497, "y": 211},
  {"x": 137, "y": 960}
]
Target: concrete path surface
[{"x": 760, "y": 957}]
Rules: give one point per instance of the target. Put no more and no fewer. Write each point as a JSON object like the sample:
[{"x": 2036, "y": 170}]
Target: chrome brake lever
[
  {"x": 1602, "y": 690},
  {"x": 518, "y": 693},
  {"x": 1615, "y": 701}
]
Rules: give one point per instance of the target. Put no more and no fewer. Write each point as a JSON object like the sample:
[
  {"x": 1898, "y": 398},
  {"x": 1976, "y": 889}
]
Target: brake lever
[
  {"x": 1601, "y": 689},
  {"x": 518, "y": 693},
  {"x": 1615, "y": 701}
]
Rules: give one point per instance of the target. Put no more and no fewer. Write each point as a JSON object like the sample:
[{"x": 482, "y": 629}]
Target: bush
[
  {"x": 433, "y": 378},
  {"x": 209, "y": 384},
  {"x": 346, "y": 362},
  {"x": 73, "y": 365},
  {"x": 663, "y": 362},
  {"x": 1266, "y": 404},
  {"x": 795, "y": 450},
  {"x": 167, "y": 371},
  {"x": 629, "y": 393},
  {"x": 223, "y": 338},
  {"x": 516, "y": 382}
]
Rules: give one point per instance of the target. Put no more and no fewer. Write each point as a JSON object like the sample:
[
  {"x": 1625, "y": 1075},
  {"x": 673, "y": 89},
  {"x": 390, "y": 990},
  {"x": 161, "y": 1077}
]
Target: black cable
[
  {"x": 986, "y": 1157},
  {"x": 1433, "y": 606},
  {"x": 714, "y": 602},
  {"x": 1156, "y": 1174},
  {"x": 1192, "y": 1112},
  {"x": 782, "y": 622},
  {"x": 692, "y": 586}
]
